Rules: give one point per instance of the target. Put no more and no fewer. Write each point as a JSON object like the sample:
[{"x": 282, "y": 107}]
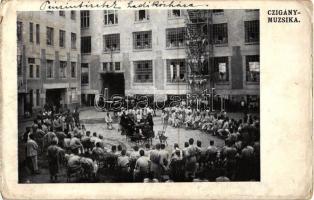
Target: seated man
[
  {"x": 97, "y": 152},
  {"x": 123, "y": 163},
  {"x": 83, "y": 166},
  {"x": 196, "y": 121},
  {"x": 76, "y": 145},
  {"x": 188, "y": 122}
]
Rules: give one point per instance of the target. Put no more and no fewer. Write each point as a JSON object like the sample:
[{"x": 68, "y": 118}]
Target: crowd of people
[
  {"x": 204, "y": 120},
  {"x": 62, "y": 142}
]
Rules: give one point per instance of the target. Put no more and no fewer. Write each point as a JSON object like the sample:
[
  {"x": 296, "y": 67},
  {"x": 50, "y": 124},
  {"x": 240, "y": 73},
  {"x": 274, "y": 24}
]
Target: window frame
[
  {"x": 111, "y": 37},
  {"x": 172, "y": 16},
  {"x": 19, "y": 31},
  {"x": 75, "y": 69},
  {"x": 62, "y": 37},
  {"x": 220, "y": 31},
  {"x": 31, "y": 32},
  {"x": 85, "y": 19},
  {"x": 49, "y": 36},
  {"x": 221, "y": 59},
  {"x": 248, "y": 59},
  {"x": 247, "y": 31},
  {"x": 112, "y": 67},
  {"x": 218, "y": 11},
  {"x": 37, "y": 97},
  {"x": 52, "y": 69},
  {"x": 168, "y": 71},
  {"x": 61, "y": 13},
  {"x": 136, "y": 71},
  {"x": 90, "y": 44},
  {"x": 73, "y": 40},
  {"x": 37, "y": 69},
  {"x": 63, "y": 69},
  {"x": 88, "y": 74},
  {"x": 19, "y": 65},
  {"x": 176, "y": 32},
  {"x": 145, "y": 19},
  {"x": 73, "y": 14},
  {"x": 31, "y": 66},
  {"x": 115, "y": 17},
  {"x": 140, "y": 38},
  {"x": 37, "y": 33}
]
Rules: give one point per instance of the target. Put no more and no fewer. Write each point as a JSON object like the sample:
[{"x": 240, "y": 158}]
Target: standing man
[
  {"x": 32, "y": 152},
  {"x": 54, "y": 159},
  {"x": 142, "y": 166}
]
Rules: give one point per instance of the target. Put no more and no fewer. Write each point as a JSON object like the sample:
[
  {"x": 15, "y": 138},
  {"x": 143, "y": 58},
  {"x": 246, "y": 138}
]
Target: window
[
  {"x": 19, "y": 65},
  {"x": 110, "y": 17},
  {"x": 221, "y": 68},
  {"x": 31, "y": 63},
  {"x": 37, "y": 97},
  {"x": 73, "y": 95},
  {"x": 31, "y": 32},
  {"x": 107, "y": 66},
  {"x": 31, "y": 71},
  {"x": 84, "y": 74},
  {"x": 50, "y": 69},
  {"x": 251, "y": 31},
  {"x": 61, "y": 38},
  {"x": 37, "y": 71},
  {"x": 174, "y": 13},
  {"x": 142, "y": 40},
  {"x": 141, "y": 15},
  {"x": 49, "y": 36},
  {"x": 73, "y": 15},
  {"x": 218, "y": 11},
  {"x": 111, "y": 66},
  {"x": 86, "y": 44},
  {"x": 31, "y": 96},
  {"x": 220, "y": 33},
  {"x": 252, "y": 68},
  {"x": 176, "y": 70},
  {"x": 62, "y": 13},
  {"x": 19, "y": 31},
  {"x": 175, "y": 37},
  {"x": 73, "y": 69},
  {"x": 84, "y": 19},
  {"x": 37, "y": 33},
  {"x": 117, "y": 66},
  {"x": 73, "y": 40},
  {"x": 63, "y": 69},
  {"x": 111, "y": 42},
  {"x": 143, "y": 72}
]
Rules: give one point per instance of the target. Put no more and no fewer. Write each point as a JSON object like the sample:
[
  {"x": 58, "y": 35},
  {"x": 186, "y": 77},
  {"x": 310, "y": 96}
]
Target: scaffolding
[{"x": 199, "y": 50}]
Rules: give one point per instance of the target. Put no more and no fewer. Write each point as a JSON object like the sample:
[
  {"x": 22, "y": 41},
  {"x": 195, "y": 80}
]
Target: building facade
[
  {"x": 48, "y": 60},
  {"x": 66, "y": 58},
  {"x": 137, "y": 52}
]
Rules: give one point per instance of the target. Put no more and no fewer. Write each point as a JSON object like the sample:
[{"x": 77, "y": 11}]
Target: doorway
[
  {"x": 55, "y": 98},
  {"x": 113, "y": 84}
]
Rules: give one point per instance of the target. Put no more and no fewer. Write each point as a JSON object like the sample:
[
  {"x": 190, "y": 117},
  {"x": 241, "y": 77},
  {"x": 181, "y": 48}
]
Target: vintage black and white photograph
[{"x": 146, "y": 96}]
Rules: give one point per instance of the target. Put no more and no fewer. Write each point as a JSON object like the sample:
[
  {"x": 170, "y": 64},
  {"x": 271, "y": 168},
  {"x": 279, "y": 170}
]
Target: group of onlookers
[
  {"x": 209, "y": 122},
  {"x": 62, "y": 140}
]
